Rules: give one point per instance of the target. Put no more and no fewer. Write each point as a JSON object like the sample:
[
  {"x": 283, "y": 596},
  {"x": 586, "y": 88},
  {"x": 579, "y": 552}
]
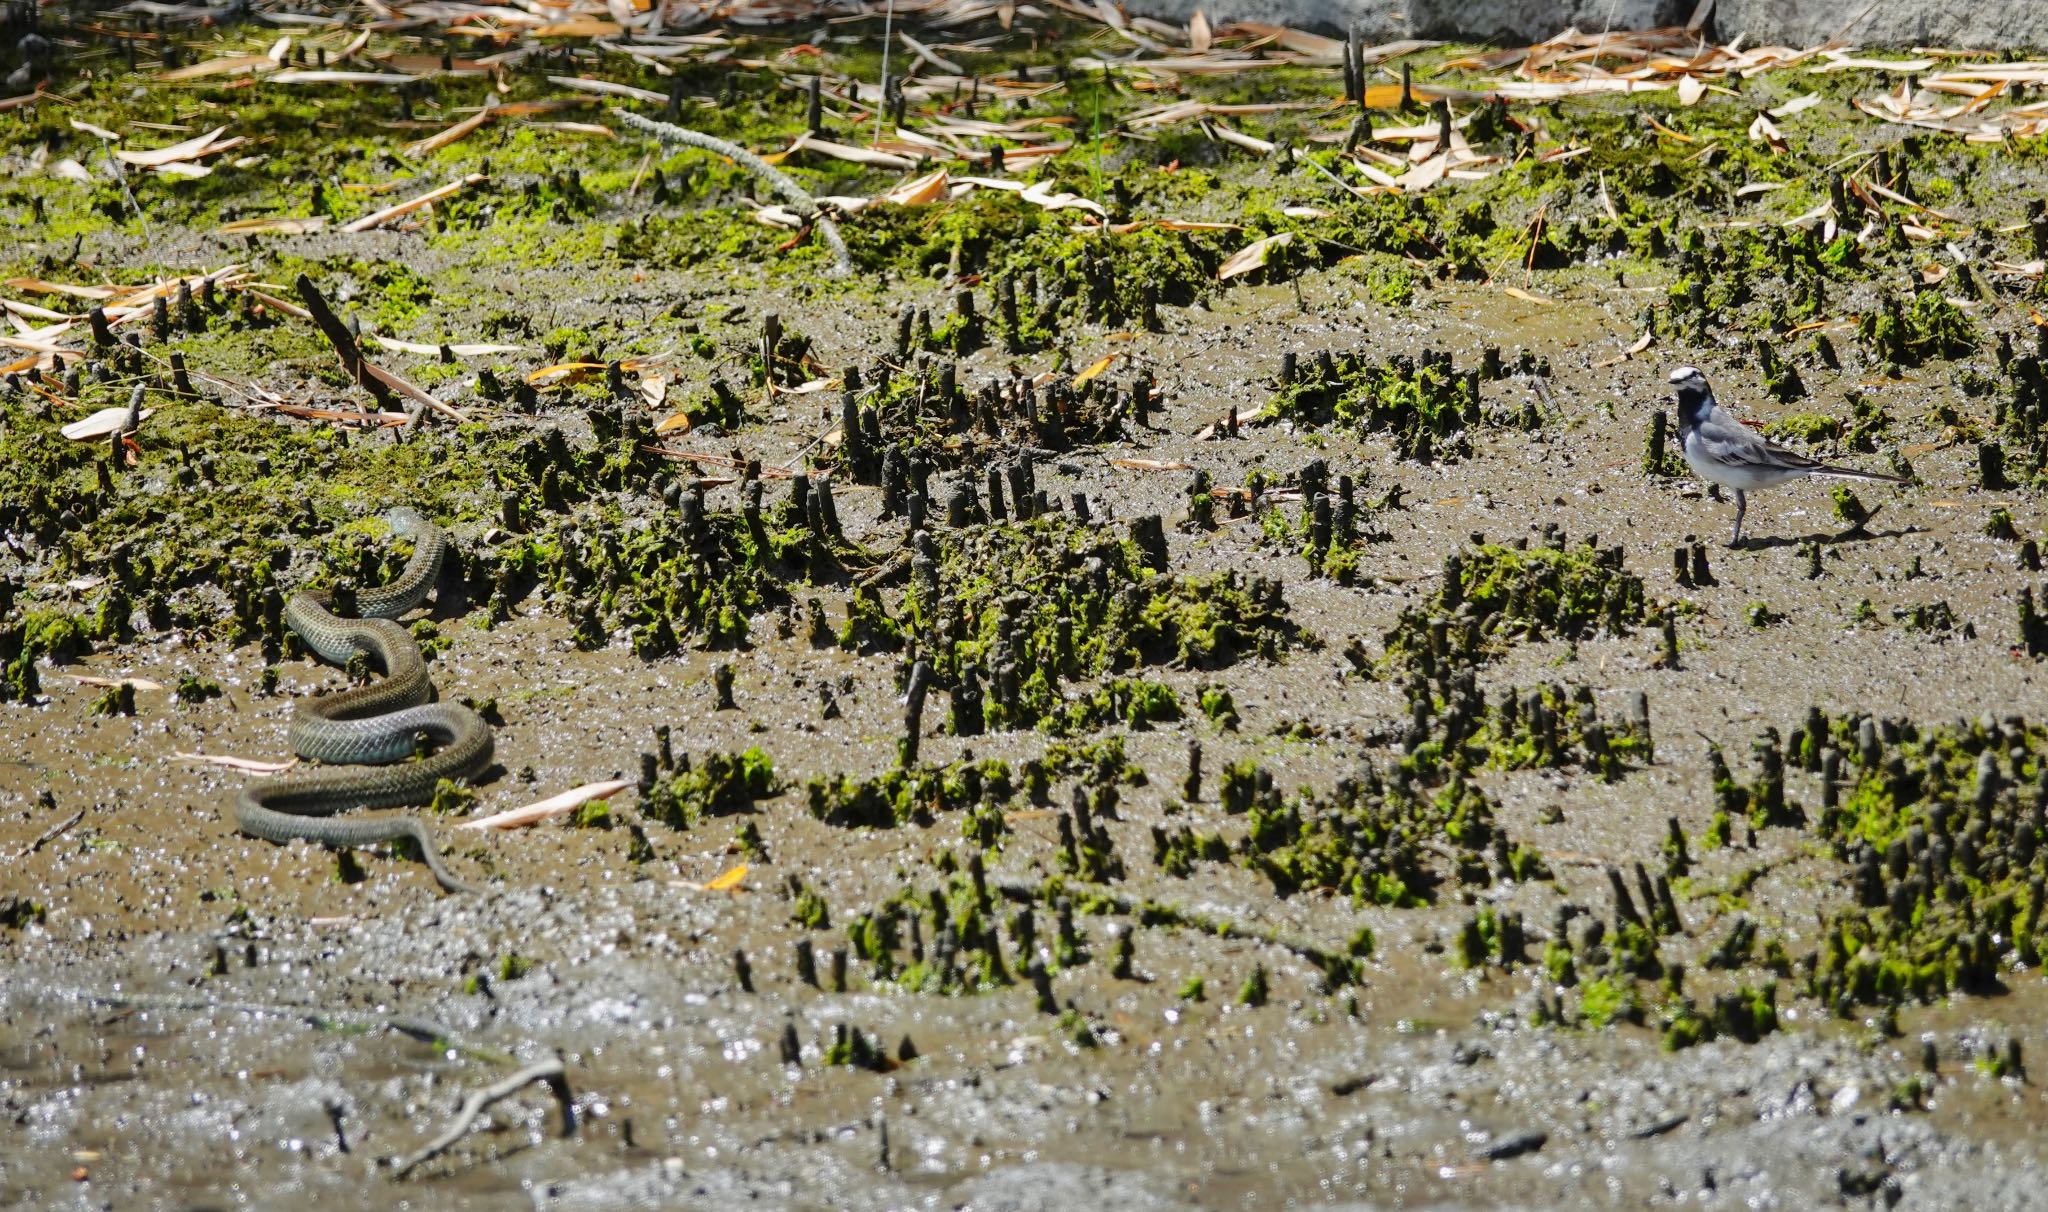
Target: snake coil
[{"x": 373, "y": 724}]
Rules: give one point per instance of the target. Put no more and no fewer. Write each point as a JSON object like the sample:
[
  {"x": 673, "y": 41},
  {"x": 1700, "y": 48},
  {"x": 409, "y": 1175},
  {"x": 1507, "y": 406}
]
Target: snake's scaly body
[{"x": 377, "y": 723}]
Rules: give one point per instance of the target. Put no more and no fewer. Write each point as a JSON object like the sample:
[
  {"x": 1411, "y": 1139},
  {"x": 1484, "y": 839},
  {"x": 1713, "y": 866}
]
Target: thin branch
[
  {"x": 888, "y": 29},
  {"x": 122, "y": 176},
  {"x": 318, "y": 1017},
  {"x": 48, "y": 837},
  {"x": 779, "y": 181},
  {"x": 549, "y": 1071},
  {"x": 343, "y": 341}
]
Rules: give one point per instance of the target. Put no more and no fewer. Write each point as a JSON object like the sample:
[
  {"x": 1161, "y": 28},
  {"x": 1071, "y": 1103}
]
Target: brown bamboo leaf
[{"x": 435, "y": 142}]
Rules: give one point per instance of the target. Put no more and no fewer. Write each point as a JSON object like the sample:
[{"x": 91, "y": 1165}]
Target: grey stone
[
  {"x": 1995, "y": 23},
  {"x": 1799, "y": 23}
]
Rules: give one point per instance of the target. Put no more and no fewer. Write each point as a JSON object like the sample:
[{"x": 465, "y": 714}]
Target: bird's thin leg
[{"x": 1741, "y": 506}]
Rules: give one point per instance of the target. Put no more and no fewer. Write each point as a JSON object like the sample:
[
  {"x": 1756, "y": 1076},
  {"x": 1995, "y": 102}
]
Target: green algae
[
  {"x": 715, "y": 784},
  {"x": 1427, "y": 411},
  {"x": 901, "y": 797},
  {"x": 1496, "y": 595},
  {"x": 1021, "y": 609}
]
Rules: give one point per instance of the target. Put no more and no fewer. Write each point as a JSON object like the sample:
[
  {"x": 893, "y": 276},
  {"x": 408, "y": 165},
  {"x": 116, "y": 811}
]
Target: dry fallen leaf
[
  {"x": 250, "y": 765},
  {"x": 275, "y": 226},
  {"x": 460, "y": 351},
  {"x": 1764, "y": 131},
  {"x": 190, "y": 149},
  {"x": 379, "y": 218},
  {"x": 555, "y": 805},
  {"x": 1641, "y": 343},
  {"x": 1794, "y": 106},
  {"x": 730, "y": 881},
  {"x": 107, "y": 420},
  {"x": 138, "y": 683},
  {"x": 1252, "y": 256},
  {"x": 926, "y": 189},
  {"x": 1100, "y": 365},
  {"x": 562, "y": 372}
]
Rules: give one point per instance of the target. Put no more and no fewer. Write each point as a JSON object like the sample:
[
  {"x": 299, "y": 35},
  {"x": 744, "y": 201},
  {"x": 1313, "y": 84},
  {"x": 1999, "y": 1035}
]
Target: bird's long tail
[{"x": 1850, "y": 473}]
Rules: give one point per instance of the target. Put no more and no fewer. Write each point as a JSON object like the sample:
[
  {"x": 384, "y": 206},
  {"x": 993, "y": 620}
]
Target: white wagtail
[{"x": 1722, "y": 449}]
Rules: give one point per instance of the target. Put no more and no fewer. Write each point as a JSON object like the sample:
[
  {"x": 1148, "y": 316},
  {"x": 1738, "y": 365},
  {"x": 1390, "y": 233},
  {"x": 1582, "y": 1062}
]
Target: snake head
[{"x": 406, "y": 520}]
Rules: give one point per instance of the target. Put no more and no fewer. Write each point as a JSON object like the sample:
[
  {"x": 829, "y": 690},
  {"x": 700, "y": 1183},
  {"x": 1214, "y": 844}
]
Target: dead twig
[
  {"x": 549, "y": 1071},
  {"x": 133, "y": 205},
  {"x": 48, "y": 837},
  {"x": 381, "y": 383},
  {"x": 344, "y": 342},
  {"x": 777, "y": 180},
  {"x": 320, "y": 1018}
]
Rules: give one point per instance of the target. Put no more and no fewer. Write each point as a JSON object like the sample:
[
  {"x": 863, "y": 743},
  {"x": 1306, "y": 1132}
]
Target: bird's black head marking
[{"x": 1695, "y": 398}]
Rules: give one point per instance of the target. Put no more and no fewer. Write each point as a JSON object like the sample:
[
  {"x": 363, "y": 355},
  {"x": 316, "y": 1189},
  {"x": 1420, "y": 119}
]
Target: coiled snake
[{"x": 377, "y": 723}]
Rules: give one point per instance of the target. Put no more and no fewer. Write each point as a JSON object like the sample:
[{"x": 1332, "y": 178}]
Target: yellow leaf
[
  {"x": 677, "y": 421},
  {"x": 1098, "y": 368},
  {"x": 1382, "y": 96},
  {"x": 730, "y": 881},
  {"x": 585, "y": 28},
  {"x": 1519, "y": 293}
]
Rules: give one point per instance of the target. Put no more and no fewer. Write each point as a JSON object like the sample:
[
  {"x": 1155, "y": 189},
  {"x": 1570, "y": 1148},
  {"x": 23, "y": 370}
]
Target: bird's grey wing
[{"x": 1730, "y": 441}]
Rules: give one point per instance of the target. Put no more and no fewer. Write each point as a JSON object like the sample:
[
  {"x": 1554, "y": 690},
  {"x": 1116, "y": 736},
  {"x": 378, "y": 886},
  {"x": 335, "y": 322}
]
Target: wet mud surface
[{"x": 1396, "y": 949}]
